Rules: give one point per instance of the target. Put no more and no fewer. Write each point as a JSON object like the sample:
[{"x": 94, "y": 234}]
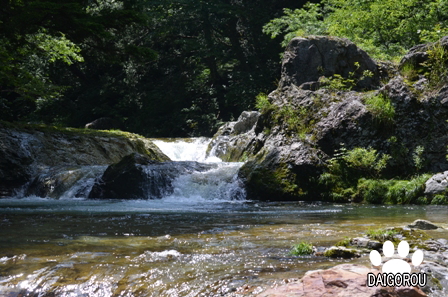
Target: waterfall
[
  {"x": 220, "y": 183},
  {"x": 191, "y": 177},
  {"x": 186, "y": 149}
]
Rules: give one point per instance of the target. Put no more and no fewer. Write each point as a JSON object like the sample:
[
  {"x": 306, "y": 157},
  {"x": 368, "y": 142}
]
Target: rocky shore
[{"x": 351, "y": 279}]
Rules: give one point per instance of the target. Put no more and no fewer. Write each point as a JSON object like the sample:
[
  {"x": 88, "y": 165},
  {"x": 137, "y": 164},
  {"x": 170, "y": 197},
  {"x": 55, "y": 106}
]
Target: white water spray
[
  {"x": 219, "y": 184},
  {"x": 186, "y": 149}
]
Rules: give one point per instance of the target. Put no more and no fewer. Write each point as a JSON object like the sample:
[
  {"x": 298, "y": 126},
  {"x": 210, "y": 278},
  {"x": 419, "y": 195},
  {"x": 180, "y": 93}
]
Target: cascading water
[
  {"x": 218, "y": 184},
  {"x": 191, "y": 177}
]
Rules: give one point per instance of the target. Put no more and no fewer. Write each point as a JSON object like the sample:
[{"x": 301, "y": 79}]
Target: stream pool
[{"x": 76, "y": 247}]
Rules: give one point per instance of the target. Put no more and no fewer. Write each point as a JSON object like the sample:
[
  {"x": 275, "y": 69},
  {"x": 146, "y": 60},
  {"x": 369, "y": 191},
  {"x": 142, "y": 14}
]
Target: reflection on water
[{"x": 166, "y": 248}]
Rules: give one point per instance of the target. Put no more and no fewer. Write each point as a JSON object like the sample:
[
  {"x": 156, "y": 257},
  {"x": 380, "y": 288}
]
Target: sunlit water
[{"x": 186, "y": 244}]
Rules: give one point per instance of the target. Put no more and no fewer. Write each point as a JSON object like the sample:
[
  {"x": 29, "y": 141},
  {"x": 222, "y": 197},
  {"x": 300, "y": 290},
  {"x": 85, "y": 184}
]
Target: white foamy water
[
  {"x": 186, "y": 149},
  {"x": 218, "y": 184}
]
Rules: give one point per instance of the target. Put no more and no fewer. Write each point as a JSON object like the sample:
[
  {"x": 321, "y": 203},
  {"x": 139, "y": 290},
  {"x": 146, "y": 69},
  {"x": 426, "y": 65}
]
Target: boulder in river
[
  {"x": 423, "y": 225},
  {"x": 138, "y": 177},
  {"x": 28, "y": 151}
]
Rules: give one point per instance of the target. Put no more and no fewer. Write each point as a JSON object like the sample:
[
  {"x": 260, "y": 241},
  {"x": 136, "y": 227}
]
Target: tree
[{"x": 384, "y": 28}]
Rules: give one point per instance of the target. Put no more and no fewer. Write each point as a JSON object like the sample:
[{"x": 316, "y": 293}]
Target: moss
[
  {"x": 141, "y": 144},
  {"x": 340, "y": 252},
  {"x": 69, "y": 130},
  {"x": 436, "y": 283},
  {"x": 271, "y": 184},
  {"x": 344, "y": 242}
]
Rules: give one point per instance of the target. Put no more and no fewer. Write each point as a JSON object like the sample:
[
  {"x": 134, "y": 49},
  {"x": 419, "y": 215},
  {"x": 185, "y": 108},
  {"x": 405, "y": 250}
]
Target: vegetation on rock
[{"x": 301, "y": 249}]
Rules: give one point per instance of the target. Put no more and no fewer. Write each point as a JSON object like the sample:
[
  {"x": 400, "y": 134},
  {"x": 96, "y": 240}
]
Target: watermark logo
[{"x": 396, "y": 272}]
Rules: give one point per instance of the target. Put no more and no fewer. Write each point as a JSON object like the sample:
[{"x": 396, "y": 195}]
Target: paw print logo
[{"x": 395, "y": 266}]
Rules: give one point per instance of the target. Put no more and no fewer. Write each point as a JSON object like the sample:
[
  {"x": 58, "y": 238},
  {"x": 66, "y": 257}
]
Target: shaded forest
[
  {"x": 161, "y": 68},
  {"x": 177, "y": 68}
]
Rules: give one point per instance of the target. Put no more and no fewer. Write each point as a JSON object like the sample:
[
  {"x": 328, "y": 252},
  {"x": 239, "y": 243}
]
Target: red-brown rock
[{"x": 339, "y": 281}]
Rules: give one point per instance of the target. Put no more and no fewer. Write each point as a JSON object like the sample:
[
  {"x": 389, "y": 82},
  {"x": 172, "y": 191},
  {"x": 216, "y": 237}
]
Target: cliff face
[
  {"x": 332, "y": 99},
  {"x": 28, "y": 151}
]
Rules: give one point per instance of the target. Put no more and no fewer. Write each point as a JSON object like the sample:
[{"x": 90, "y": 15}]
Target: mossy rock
[{"x": 341, "y": 252}]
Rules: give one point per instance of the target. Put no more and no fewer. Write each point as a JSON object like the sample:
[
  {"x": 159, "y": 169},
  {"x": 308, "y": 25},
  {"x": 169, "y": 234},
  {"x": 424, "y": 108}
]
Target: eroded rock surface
[
  {"x": 291, "y": 142},
  {"x": 26, "y": 152}
]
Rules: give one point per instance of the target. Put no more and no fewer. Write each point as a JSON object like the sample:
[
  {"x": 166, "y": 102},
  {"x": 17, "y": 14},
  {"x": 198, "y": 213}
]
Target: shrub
[
  {"x": 381, "y": 108},
  {"x": 301, "y": 249},
  {"x": 393, "y": 191},
  {"x": 262, "y": 103},
  {"x": 439, "y": 200},
  {"x": 437, "y": 65},
  {"x": 373, "y": 191}
]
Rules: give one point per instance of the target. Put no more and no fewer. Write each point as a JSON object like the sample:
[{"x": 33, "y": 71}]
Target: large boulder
[
  {"x": 306, "y": 59},
  {"x": 36, "y": 153},
  {"x": 437, "y": 184},
  {"x": 137, "y": 176}
]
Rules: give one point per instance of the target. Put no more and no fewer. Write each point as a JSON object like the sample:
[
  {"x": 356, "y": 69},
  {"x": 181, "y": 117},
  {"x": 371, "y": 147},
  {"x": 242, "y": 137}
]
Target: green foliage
[
  {"x": 338, "y": 82},
  {"x": 298, "y": 22},
  {"x": 381, "y": 108},
  {"x": 56, "y": 47},
  {"x": 410, "y": 72},
  {"x": 417, "y": 157},
  {"x": 366, "y": 160},
  {"x": 392, "y": 191},
  {"x": 439, "y": 199},
  {"x": 381, "y": 235},
  {"x": 384, "y": 28},
  {"x": 263, "y": 104},
  {"x": 436, "y": 65},
  {"x": 301, "y": 249},
  {"x": 344, "y": 242}
]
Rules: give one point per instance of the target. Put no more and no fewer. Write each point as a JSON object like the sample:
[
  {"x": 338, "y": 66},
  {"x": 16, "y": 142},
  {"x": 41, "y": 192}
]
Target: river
[{"x": 204, "y": 239}]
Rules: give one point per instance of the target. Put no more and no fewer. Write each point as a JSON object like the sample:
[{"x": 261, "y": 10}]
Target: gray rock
[
  {"x": 237, "y": 141},
  {"x": 423, "y": 225},
  {"x": 29, "y": 153},
  {"x": 363, "y": 242},
  {"x": 419, "y": 54},
  {"x": 246, "y": 122},
  {"x": 341, "y": 252},
  {"x": 138, "y": 177},
  {"x": 307, "y": 59},
  {"x": 437, "y": 184},
  {"x": 437, "y": 272}
]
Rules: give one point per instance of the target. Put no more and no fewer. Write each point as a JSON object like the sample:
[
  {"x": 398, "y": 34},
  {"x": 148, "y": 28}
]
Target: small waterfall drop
[
  {"x": 186, "y": 149},
  {"x": 219, "y": 184}
]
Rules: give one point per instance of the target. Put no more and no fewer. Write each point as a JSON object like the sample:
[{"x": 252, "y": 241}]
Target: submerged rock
[
  {"x": 138, "y": 177},
  {"x": 341, "y": 252},
  {"x": 423, "y": 225}
]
